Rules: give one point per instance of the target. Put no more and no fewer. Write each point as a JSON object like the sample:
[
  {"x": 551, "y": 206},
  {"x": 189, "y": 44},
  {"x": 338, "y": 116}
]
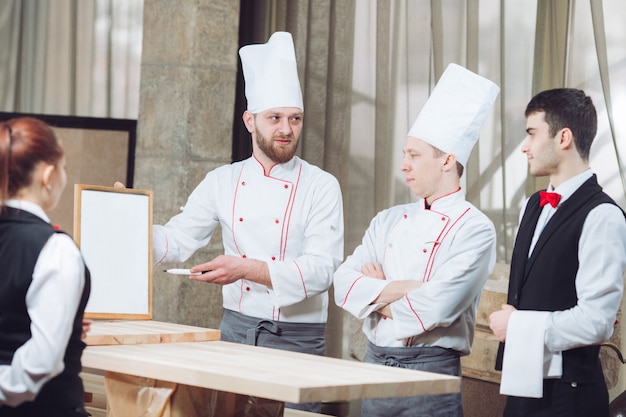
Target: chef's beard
[{"x": 276, "y": 153}]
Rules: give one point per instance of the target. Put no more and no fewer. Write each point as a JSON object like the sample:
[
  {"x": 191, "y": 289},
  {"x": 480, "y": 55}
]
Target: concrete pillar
[{"x": 187, "y": 94}]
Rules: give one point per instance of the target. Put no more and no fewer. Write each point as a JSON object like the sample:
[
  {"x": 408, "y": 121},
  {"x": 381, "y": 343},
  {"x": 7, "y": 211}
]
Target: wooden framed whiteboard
[{"x": 113, "y": 228}]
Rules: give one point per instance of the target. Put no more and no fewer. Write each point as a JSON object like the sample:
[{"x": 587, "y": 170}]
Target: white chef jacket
[
  {"x": 292, "y": 219},
  {"x": 450, "y": 248},
  {"x": 52, "y": 301}
]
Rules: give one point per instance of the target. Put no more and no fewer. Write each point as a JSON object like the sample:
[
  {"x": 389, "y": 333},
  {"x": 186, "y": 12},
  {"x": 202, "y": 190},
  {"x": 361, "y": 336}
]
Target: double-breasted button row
[
  {"x": 275, "y": 220},
  {"x": 285, "y": 186}
]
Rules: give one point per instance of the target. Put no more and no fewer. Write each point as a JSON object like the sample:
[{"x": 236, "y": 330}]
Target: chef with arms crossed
[{"x": 417, "y": 276}]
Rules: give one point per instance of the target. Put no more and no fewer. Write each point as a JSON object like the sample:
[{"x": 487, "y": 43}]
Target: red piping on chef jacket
[
  {"x": 350, "y": 290},
  {"x": 232, "y": 210},
  {"x": 167, "y": 248},
  {"x": 431, "y": 259},
  {"x": 284, "y": 236},
  {"x": 430, "y": 263},
  {"x": 288, "y": 213},
  {"x": 232, "y": 227},
  {"x": 306, "y": 295}
]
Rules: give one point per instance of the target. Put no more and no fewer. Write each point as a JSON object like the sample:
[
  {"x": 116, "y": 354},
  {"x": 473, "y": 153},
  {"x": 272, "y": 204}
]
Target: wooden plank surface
[
  {"x": 263, "y": 372},
  {"x": 131, "y": 332},
  {"x": 95, "y": 395}
]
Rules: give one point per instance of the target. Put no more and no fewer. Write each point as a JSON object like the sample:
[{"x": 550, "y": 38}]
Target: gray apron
[
  {"x": 429, "y": 359},
  {"x": 296, "y": 337}
]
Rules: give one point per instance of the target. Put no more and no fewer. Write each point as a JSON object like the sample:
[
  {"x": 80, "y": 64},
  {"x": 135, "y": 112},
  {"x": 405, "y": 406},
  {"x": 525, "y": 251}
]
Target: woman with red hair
[{"x": 44, "y": 283}]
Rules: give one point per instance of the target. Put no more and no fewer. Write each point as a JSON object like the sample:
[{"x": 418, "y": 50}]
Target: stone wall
[{"x": 188, "y": 82}]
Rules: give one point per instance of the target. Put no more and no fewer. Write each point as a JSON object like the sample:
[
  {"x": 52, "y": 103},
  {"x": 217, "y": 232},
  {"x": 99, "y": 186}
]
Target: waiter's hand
[
  {"x": 118, "y": 184},
  {"x": 373, "y": 270},
  {"x": 499, "y": 321},
  {"x": 86, "y": 327},
  {"x": 226, "y": 269}
]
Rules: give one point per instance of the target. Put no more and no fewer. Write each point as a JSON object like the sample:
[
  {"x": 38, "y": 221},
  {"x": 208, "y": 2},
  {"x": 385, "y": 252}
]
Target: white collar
[
  {"x": 571, "y": 185},
  {"x": 29, "y": 207}
]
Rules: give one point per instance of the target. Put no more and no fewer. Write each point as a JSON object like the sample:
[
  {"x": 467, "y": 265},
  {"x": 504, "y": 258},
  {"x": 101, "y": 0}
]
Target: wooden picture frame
[{"x": 113, "y": 228}]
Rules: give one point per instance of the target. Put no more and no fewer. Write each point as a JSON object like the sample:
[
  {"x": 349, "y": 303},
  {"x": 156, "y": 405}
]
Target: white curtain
[
  {"x": 401, "y": 48},
  {"x": 82, "y": 57},
  {"x": 71, "y": 57}
]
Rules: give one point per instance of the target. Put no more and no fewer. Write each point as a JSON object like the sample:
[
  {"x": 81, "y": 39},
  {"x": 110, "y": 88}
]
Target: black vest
[
  {"x": 22, "y": 237},
  {"x": 545, "y": 281}
]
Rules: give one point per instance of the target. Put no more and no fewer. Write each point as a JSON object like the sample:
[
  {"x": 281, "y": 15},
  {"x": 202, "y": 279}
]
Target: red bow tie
[{"x": 546, "y": 197}]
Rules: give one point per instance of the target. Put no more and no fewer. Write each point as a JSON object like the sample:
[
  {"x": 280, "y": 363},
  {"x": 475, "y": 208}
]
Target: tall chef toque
[
  {"x": 455, "y": 112},
  {"x": 271, "y": 74}
]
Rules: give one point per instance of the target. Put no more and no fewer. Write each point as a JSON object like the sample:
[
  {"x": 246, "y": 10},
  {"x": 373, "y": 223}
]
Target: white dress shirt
[
  {"x": 52, "y": 301},
  {"x": 599, "y": 282}
]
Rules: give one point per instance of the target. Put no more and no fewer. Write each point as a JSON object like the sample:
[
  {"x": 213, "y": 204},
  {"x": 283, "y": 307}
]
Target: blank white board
[{"x": 113, "y": 228}]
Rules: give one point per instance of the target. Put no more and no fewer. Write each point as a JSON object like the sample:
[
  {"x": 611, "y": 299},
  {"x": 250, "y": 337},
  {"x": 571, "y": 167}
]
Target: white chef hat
[
  {"x": 454, "y": 113},
  {"x": 271, "y": 74}
]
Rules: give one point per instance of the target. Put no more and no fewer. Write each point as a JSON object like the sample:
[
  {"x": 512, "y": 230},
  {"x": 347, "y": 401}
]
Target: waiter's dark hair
[
  {"x": 24, "y": 142},
  {"x": 568, "y": 108}
]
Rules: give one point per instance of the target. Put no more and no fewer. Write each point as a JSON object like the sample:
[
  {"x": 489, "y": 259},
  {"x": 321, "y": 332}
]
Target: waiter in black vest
[
  {"x": 565, "y": 286},
  {"x": 44, "y": 282}
]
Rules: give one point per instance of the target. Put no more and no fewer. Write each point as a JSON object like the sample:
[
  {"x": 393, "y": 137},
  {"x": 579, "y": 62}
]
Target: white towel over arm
[{"x": 526, "y": 362}]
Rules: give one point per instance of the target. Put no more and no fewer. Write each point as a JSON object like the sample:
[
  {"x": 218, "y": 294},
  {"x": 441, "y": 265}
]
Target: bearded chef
[
  {"x": 417, "y": 276},
  {"x": 281, "y": 218}
]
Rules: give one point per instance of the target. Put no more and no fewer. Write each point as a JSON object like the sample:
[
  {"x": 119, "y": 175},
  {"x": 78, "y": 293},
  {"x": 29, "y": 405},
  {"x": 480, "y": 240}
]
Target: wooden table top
[
  {"x": 268, "y": 373},
  {"x": 131, "y": 332}
]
